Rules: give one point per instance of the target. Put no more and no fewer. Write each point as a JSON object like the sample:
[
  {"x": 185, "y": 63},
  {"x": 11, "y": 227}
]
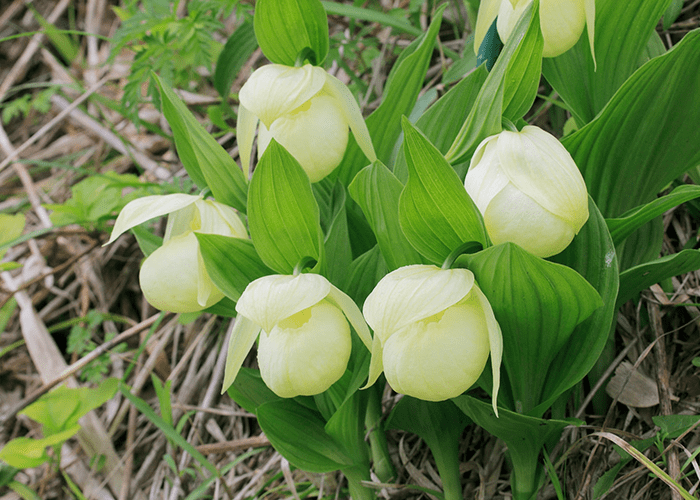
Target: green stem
[
  {"x": 383, "y": 466},
  {"x": 303, "y": 264},
  {"x": 358, "y": 491},
  {"x": 509, "y": 125},
  {"x": 448, "y": 468},
  {"x": 468, "y": 247},
  {"x": 526, "y": 474}
]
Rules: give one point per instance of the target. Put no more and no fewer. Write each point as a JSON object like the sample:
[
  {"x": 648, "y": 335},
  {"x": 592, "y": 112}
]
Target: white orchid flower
[
  {"x": 174, "y": 278},
  {"x": 529, "y": 190},
  {"x": 433, "y": 332},
  {"x": 561, "y": 22},
  {"x": 304, "y": 109},
  {"x": 305, "y": 342}
]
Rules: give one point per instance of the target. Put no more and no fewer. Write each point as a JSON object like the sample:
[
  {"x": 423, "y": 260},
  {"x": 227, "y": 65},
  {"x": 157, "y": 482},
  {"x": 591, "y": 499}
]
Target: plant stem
[
  {"x": 383, "y": 466},
  {"x": 355, "y": 476}
]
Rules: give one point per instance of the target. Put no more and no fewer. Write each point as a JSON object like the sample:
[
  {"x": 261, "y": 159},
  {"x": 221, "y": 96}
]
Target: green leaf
[
  {"x": 249, "y": 391},
  {"x": 585, "y": 90},
  {"x": 621, "y": 227},
  {"x": 298, "y": 434},
  {"x": 337, "y": 242},
  {"x": 25, "y": 453},
  {"x": 537, "y": 304},
  {"x": 525, "y": 437},
  {"x": 377, "y": 192},
  {"x": 232, "y": 263},
  {"x": 365, "y": 273},
  {"x": 497, "y": 94},
  {"x": 11, "y": 227},
  {"x": 284, "y": 28},
  {"x": 673, "y": 426},
  {"x": 63, "y": 407},
  {"x": 641, "y": 277},
  {"x": 148, "y": 242},
  {"x": 163, "y": 393},
  {"x": 373, "y": 16},
  {"x": 436, "y": 213},
  {"x": 346, "y": 427},
  {"x": 283, "y": 215},
  {"x": 672, "y": 12},
  {"x": 592, "y": 255},
  {"x": 225, "y": 307},
  {"x": 239, "y": 46},
  {"x": 442, "y": 121},
  {"x": 207, "y": 163},
  {"x": 400, "y": 94},
  {"x": 647, "y": 134}
]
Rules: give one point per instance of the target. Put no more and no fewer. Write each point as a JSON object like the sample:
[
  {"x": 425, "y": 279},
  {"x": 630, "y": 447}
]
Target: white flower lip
[
  {"x": 265, "y": 305},
  {"x": 415, "y": 312},
  {"x": 278, "y": 95}
]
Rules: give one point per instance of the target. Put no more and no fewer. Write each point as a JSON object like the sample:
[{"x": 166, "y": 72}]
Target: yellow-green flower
[
  {"x": 305, "y": 342},
  {"x": 561, "y": 21},
  {"x": 173, "y": 278},
  {"x": 433, "y": 332},
  {"x": 304, "y": 109},
  {"x": 529, "y": 190}
]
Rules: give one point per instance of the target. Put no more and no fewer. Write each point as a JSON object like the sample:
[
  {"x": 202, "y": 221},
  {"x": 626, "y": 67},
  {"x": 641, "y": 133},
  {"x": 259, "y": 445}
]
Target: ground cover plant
[{"x": 294, "y": 248}]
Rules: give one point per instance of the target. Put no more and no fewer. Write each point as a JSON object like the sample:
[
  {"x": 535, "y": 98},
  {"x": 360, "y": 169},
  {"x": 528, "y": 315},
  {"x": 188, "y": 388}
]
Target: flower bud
[
  {"x": 304, "y": 109},
  {"x": 305, "y": 342},
  {"x": 433, "y": 332},
  {"x": 561, "y": 21},
  {"x": 174, "y": 278},
  {"x": 529, "y": 190}
]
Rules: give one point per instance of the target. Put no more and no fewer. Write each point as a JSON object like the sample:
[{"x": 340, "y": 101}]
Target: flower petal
[
  {"x": 275, "y": 90},
  {"x": 412, "y": 293},
  {"x": 207, "y": 293},
  {"x": 589, "y": 6},
  {"x": 217, "y": 218},
  {"x": 561, "y": 24},
  {"x": 306, "y": 359},
  {"x": 539, "y": 166},
  {"x": 495, "y": 344},
  {"x": 488, "y": 10},
  {"x": 270, "y": 299},
  {"x": 376, "y": 364},
  {"x": 352, "y": 114},
  {"x": 485, "y": 178},
  {"x": 245, "y": 130},
  {"x": 148, "y": 207},
  {"x": 242, "y": 339},
  {"x": 353, "y": 313}
]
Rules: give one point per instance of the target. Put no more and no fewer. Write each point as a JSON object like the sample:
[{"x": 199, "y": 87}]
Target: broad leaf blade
[{"x": 239, "y": 46}]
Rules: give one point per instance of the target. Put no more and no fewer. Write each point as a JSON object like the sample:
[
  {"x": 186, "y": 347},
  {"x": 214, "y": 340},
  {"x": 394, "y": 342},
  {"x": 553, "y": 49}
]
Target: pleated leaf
[
  {"x": 435, "y": 211},
  {"x": 283, "y": 215}
]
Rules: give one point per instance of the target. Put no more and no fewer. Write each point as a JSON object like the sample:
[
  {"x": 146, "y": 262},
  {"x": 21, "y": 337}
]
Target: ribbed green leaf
[
  {"x": 537, "y": 304},
  {"x": 239, "y": 46},
  {"x": 207, "y": 163},
  {"x": 249, "y": 391},
  {"x": 298, "y": 434},
  {"x": 400, "y": 94},
  {"x": 435, "y": 211},
  {"x": 442, "y": 121},
  {"x": 377, "y": 192},
  {"x": 337, "y": 240},
  {"x": 283, "y": 216},
  {"x": 647, "y": 134},
  {"x": 641, "y": 277},
  {"x": 284, "y": 28},
  {"x": 572, "y": 75},
  {"x": 232, "y": 263}
]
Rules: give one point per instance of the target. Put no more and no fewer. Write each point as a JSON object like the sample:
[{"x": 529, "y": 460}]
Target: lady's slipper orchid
[
  {"x": 561, "y": 21},
  {"x": 433, "y": 332},
  {"x": 173, "y": 278},
  {"x": 304, "y": 109},
  {"x": 529, "y": 190},
  {"x": 305, "y": 342}
]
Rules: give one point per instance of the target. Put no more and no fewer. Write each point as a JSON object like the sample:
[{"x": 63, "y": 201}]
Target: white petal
[
  {"x": 242, "y": 339},
  {"x": 217, "y": 218},
  {"x": 352, "y": 312},
  {"x": 485, "y": 178},
  {"x": 245, "y": 131},
  {"x": 376, "y": 366},
  {"x": 538, "y": 165},
  {"x": 270, "y": 299},
  {"x": 181, "y": 221},
  {"x": 275, "y": 90},
  {"x": 352, "y": 114},
  {"x": 514, "y": 216},
  {"x": 412, "y": 293},
  {"x": 316, "y": 135},
  {"x": 307, "y": 356},
  {"x": 206, "y": 290},
  {"x": 495, "y": 344},
  {"x": 146, "y": 208},
  {"x": 508, "y": 16},
  {"x": 439, "y": 359},
  {"x": 488, "y": 10},
  {"x": 170, "y": 277},
  {"x": 561, "y": 24},
  {"x": 589, "y": 6}
]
